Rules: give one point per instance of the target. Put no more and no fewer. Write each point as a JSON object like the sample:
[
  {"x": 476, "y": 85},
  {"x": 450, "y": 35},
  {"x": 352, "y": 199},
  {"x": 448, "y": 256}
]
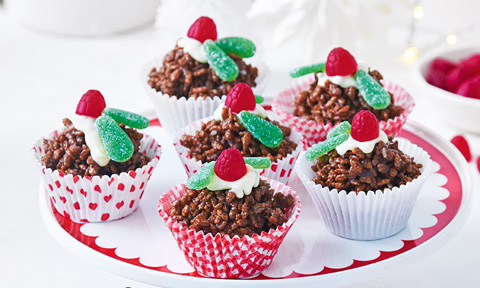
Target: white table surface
[{"x": 43, "y": 75}]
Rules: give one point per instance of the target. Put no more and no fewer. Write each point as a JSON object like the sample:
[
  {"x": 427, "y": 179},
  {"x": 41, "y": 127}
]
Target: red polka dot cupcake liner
[
  {"x": 174, "y": 113},
  {"x": 228, "y": 257},
  {"x": 280, "y": 170},
  {"x": 97, "y": 199},
  {"x": 284, "y": 104}
]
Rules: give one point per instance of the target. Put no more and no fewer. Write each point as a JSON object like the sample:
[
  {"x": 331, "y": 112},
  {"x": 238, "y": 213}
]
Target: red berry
[
  {"x": 230, "y": 165},
  {"x": 365, "y": 126},
  {"x": 470, "y": 87},
  {"x": 340, "y": 63},
  {"x": 436, "y": 78},
  {"x": 478, "y": 164},
  {"x": 202, "y": 29},
  {"x": 91, "y": 104},
  {"x": 462, "y": 145},
  {"x": 442, "y": 64},
  {"x": 240, "y": 98}
]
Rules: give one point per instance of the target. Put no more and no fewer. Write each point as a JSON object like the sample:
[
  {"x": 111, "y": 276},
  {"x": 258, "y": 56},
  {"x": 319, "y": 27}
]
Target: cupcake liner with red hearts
[
  {"x": 227, "y": 257},
  {"x": 174, "y": 113},
  {"x": 279, "y": 170},
  {"x": 97, "y": 199},
  {"x": 284, "y": 104},
  {"x": 367, "y": 215}
]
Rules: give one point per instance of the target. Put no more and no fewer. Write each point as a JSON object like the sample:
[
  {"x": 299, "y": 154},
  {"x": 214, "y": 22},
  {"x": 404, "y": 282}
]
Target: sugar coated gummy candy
[
  {"x": 304, "y": 70},
  {"x": 321, "y": 148},
  {"x": 118, "y": 145},
  {"x": 371, "y": 91},
  {"x": 267, "y": 133},
  {"x": 202, "y": 177},
  {"x": 259, "y": 99},
  {"x": 128, "y": 118},
  {"x": 341, "y": 128},
  {"x": 258, "y": 162},
  {"x": 224, "y": 66},
  {"x": 237, "y": 45}
]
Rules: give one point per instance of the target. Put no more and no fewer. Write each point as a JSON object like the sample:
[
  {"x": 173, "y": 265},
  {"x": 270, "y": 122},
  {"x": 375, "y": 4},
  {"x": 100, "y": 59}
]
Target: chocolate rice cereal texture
[
  {"x": 69, "y": 154},
  {"x": 221, "y": 212},
  {"x": 183, "y": 76},
  {"x": 331, "y": 103},
  {"x": 216, "y": 136},
  {"x": 385, "y": 167}
]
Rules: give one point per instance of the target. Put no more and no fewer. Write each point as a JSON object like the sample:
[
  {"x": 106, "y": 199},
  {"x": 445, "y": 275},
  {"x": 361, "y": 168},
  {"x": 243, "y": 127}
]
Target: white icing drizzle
[
  {"x": 342, "y": 81},
  {"x": 92, "y": 138},
  {"x": 259, "y": 111},
  {"x": 194, "y": 48},
  {"x": 366, "y": 146},
  {"x": 240, "y": 187}
]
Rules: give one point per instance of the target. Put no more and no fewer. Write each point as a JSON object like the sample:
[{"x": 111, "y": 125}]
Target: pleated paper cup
[
  {"x": 97, "y": 199},
  {"x": 284, "y": 105},
  {"x": 227, "y": 257},
  {"x": 174, "y": 113},
  {"x": 368, "y": 215},
  {"x": 279, "y": 170}
]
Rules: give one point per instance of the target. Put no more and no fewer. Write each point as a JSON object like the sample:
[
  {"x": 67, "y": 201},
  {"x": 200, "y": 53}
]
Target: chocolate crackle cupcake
[
  {"x": 364, "y": 183},
  {"x": 97, "y": 167},
  {"x": 241, "y": 123},
  {"x": 193, "y": 79},
  {"x": 227, "y": 220},
  {"x": 334, "y": 92}
]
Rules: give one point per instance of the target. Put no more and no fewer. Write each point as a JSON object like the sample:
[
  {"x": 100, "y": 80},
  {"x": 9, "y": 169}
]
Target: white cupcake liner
[
  {"x": 367, "y": 215},
  {"x": 226, "y": 257},
  {"x": 279, "y": 170},
  {"x": 284, "y": 104},
  {"x": 97, "y": 199},
  {"x": 174, "y": 113}
]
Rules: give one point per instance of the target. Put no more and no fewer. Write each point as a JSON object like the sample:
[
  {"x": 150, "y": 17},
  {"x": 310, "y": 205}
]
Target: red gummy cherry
[
  {"x": 365, "y": 126},
  {"x": 340, "y": 63},
  {"x": 462, "y": 145},
  {"x": 202, "y": 29},
  {"x": 230, "y": 165},
  {"x": 240, "y": 98},
  {"x": 91, "y": 104}
]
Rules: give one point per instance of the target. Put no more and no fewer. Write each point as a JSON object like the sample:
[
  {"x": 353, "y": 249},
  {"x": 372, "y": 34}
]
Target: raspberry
[
  {"x": 91, "y": 104},
  {"x": 240, "y": 98},
  {"x": 442, "y": 64},
  {"x": 230, "y": 165},
  {"x": 340, "y": 63},
  {"x": 462, "y": 145},
  {"x": 470, "y": 87},
  {"x": 202, "y": 29},
  {"x": 478, "y": 164},
  {"x": 365, "y": 126}
]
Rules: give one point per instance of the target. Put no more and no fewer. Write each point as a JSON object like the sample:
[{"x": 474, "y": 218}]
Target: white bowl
[{"x": 455, "y": 110}]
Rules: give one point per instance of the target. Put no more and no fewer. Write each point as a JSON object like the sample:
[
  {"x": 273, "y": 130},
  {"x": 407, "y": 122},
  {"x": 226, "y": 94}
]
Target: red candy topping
[
  {"x": 340, "y": 63},
  {"x": 365, "y": 126},
  {"x": 462, "y": 145},
  {"x": 91, "y": 104},
  {"x": 240, "y": 98},
  {"x": 202, "y": 29},
  {"x": 478, "y": 164},
  {"x": 470, "y": 88},
  {"x": 230, "y": 165}
]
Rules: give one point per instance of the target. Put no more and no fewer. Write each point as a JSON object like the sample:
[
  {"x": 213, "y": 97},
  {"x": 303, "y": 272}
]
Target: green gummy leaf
[
  {"x": 237, "y": 45},
  {"x": 371, "y": 91},
  {"x": 202, "y": 177},
  {"x": 224, "y": 66},
  {"x": 304, "y": 70},
  {"x": 116, "y": 142},
  {"x": 258, "y": 162},
  {"x": 321, "y": 148},
  {"x": 128, "y": 118},
  {"x": 342, "y": 128},
  {"x": 267, "y": 133},
  {"x": 259, "y": 99}
]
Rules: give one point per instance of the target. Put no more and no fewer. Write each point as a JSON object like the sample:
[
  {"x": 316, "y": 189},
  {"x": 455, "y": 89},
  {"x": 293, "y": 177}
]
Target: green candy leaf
[
  {"x": 259, "y": 99},
  {"x": 371, "y": 91},
  {"x": 321, "y": 148},
  {"x": 128, "y": 118},
  {"x": 267, "y": 133},
  {"x": 304, "y": 70},
  {"x": 117, "y": 144},
  {"x": 237, "y": 45},
  {"x": 258, "y": 162},
  {"x": 224, "y": 66},
  {"x": 202, "y": 177},
  {"x": 342, "y": 128}
]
